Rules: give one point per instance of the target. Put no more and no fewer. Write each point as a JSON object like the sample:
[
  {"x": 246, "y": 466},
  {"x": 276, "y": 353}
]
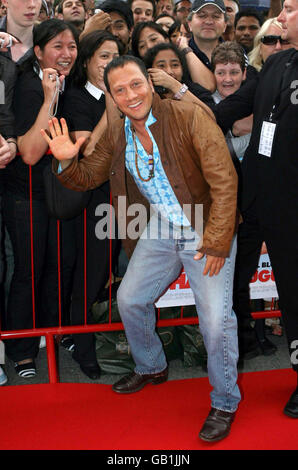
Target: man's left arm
[{"x": 219, "y": 172}]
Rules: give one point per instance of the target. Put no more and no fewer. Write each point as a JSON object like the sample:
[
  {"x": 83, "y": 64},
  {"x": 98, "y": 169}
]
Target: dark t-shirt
[
  {"x": 81, "y": 110},
  {"x": 251, "y": 72},
  {"x": 28, "y": 99}
]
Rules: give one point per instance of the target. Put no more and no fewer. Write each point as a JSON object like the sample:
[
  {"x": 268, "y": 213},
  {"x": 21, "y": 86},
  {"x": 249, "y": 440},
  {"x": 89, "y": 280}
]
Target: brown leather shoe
[
  {"x": 217, "y": 425},
  {"x": 134, "y": 382}
]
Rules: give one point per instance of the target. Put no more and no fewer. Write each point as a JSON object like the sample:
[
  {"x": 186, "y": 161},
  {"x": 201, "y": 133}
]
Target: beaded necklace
[{"x": 137, "y": 156}]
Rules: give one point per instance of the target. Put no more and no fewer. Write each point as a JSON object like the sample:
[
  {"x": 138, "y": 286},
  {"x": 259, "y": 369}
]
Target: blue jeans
[{"x": 156, "y": 263}]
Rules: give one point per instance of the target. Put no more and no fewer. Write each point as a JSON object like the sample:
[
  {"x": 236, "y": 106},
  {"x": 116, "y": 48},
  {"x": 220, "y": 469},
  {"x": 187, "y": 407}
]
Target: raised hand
[
  {"x": 100, "y": 20},
  {"x": 59, "y": 141},
  {"x": 7, "y": 41},
  {"x": 162, "y": 78}
]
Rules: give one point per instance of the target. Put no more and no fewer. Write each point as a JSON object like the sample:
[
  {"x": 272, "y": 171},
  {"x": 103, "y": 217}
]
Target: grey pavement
[{"x": 69, "y": 370}]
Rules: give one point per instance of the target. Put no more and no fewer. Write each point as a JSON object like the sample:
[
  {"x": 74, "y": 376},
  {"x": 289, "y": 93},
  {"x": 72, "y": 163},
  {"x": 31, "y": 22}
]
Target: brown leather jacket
[{"x": 196, "y": 161}]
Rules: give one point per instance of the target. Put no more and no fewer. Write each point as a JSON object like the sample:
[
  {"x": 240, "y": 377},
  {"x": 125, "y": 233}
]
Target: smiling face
[
  {"x": 208, "y": 24},
  {"x": 149, "y": 38},
  {"x": 228, "y": 78},
  {"x": 96, "y": 65},
  {"x": 22, "y": 12},
  {"x": 131, "y": 91},
  {"x": 59, "y": 53}
]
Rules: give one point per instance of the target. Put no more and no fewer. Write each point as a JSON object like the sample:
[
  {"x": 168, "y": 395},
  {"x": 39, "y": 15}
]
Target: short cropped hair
[
  {"x": 120, "y": 62},
  {"x": 228, "y": 52},
  {"x": 249, "y": 12}
]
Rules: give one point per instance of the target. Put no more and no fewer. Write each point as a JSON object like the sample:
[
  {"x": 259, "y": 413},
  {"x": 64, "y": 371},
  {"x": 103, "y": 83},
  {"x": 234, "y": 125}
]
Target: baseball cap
[
  {"x": 199, "y": 4},
  {"x": 178, "y": 1}
]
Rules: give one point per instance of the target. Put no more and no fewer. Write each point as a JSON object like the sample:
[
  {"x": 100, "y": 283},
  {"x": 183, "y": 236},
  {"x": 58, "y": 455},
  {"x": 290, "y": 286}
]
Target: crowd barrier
[{"x": 52, "y": 334}]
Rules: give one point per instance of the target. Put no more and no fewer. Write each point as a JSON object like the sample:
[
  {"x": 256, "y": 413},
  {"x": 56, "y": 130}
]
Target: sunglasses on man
[{"x": 271, "y": 40}]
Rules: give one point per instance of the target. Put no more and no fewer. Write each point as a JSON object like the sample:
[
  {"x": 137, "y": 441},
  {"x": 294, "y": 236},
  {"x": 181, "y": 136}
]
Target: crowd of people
[{"x": 199, "y": 65}]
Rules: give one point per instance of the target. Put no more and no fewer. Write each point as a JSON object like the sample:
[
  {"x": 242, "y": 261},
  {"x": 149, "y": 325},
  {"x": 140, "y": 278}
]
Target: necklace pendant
[{"x": 151, "y": 166}]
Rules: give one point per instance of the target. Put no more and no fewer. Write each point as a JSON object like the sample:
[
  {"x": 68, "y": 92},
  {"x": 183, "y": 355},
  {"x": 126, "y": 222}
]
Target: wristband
[
  {"x": 181, "y": 92},
  {"x": 186, "y": 50}
]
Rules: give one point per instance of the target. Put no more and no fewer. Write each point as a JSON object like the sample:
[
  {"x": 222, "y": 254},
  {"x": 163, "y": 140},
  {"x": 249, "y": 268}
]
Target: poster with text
[{"x": 262, "y": 286}]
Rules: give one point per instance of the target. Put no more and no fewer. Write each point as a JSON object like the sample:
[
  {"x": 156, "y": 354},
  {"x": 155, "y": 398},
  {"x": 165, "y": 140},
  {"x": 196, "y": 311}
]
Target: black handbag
[{"x": 63, "y": 203}]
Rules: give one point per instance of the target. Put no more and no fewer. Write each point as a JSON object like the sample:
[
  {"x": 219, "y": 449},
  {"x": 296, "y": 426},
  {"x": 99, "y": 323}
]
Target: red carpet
[{"x": 167, "y": 416}]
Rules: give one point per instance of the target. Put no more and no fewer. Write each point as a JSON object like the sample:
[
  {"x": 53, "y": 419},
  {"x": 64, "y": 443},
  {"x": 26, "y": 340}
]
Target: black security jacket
[{"x": 271, "y": 182}]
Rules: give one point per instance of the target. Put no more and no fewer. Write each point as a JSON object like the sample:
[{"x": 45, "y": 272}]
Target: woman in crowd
[
  {"x": 267, "y": 41},
  {"x": 229, "y": 67},
  {"x": 168, "y": 71},
  {"x": 84, "y": 111},
  {"x": 147, "y": 35},
  {"x": 34, "y": 296},
  {"x": 184, "y": 30},
  {"x": 174, "y": 31}
]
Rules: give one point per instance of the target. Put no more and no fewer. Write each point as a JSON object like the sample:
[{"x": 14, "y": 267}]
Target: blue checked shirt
[{"x": 158, "y": 190}]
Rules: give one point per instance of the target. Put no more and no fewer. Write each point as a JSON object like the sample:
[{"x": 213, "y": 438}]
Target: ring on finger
[{"x": 2, "y": 41}]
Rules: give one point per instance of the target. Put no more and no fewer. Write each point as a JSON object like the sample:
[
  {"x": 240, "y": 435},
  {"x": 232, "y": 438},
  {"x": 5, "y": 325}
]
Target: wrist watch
[
  {"x": 181, "y": 92},
  {"x": 186, "y": 50}
]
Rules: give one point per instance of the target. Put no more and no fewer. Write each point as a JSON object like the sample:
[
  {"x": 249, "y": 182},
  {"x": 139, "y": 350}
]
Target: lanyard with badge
[
  {"x": 267, "y": 136},
  {"x": 269, "y": 126}
]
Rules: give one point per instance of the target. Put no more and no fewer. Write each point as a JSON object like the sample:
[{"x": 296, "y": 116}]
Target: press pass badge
[
  {"x": 2, "y": 352},
  {"x": 266, "y": 139}
]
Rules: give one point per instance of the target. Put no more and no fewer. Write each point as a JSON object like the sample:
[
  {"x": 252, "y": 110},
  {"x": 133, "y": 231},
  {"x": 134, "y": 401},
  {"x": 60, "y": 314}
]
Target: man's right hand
[
  {"x": 59, "y": 142},
  {"x": 99, "y": 21}
]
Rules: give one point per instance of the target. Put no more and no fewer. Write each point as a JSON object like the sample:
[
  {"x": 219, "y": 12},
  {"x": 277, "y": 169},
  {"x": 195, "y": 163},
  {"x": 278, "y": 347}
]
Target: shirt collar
[
  {"x": 150, "y": 120},
  {"x": 94, "y": 91}
]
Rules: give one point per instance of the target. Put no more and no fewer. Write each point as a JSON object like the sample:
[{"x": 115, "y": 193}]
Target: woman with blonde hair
[{"x": 267, "y": 41}]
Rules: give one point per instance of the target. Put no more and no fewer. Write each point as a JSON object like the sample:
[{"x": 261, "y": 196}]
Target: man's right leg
[
  {"x": 151, "y": 269},
  {"x": 153, "y": 266}
]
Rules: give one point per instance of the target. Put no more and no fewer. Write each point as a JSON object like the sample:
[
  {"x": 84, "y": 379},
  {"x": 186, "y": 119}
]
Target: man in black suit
[{"x": 270, "y": 176}]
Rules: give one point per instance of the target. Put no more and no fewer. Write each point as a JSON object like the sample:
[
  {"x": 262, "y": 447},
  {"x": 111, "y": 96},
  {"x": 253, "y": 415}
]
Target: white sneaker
[
  {"x": 43, "y": 342},
  {"x": 3, "y": 377}
]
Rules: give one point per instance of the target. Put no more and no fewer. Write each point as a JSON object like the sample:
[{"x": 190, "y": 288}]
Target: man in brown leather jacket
[{"x": 173, "y": 156}]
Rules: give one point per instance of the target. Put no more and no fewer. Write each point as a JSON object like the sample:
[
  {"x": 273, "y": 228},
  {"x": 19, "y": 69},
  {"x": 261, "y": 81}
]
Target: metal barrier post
[{"x": 51, "y": 357}]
